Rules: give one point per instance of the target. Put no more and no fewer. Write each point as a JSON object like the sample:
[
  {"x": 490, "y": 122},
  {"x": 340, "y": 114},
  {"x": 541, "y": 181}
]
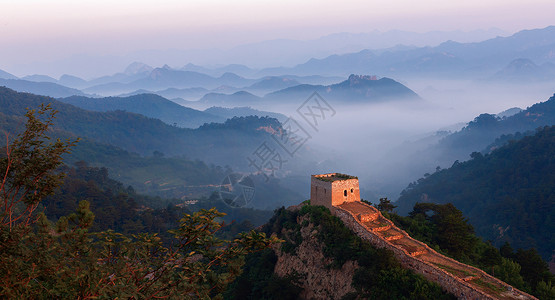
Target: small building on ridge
[{"x": 333, "y": 189}]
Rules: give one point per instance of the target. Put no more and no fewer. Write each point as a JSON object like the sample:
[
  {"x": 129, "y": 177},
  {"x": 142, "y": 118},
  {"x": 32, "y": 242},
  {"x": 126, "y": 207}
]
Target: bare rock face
[{"x": 318, "y": 280}]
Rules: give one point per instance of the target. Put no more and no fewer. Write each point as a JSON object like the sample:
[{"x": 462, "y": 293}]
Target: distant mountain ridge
[
  {"x": 525, "y": 70},
  {"x": 466, "y": 58},
  {"x": 149, "y": 105},
  {"x": 273, "y": 83},
  {"x": 166, "y": 77},
  {"x": 505, "y": 59},
  {"x": 240, "y": 98},
  {"x": 39, "y": 78},
  {"x": 449, "y": 58},
  {"x": 356, "y": 89},
  {"x": 444, "y": 148},
  {"x": 6, "y": 75},
  {"x": 483, "y": 130},
  {"x": 40, "y": 88}
]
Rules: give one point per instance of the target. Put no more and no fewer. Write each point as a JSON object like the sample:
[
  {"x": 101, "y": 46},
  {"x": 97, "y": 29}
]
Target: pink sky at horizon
[{"x": 48, "y": 30}]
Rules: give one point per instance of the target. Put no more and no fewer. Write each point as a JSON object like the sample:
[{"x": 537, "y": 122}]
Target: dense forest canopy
[{"x": 508, "y": 195}]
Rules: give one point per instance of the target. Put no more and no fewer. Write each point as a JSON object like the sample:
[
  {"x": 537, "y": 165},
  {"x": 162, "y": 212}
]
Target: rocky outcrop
[{"x": 318, "y": 280}]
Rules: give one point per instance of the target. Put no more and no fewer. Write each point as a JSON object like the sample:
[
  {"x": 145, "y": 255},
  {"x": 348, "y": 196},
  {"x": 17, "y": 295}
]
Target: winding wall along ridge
[{"x": 466, "y": 287}]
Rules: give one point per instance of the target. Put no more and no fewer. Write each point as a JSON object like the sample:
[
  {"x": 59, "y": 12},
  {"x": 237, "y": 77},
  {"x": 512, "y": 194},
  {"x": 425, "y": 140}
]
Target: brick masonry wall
[
  {"x": 345, "y": 191},
  {"x": 320, "y": 192},
  {"x": 329, "y": 193},
  {"x": 448, "y": 282}
]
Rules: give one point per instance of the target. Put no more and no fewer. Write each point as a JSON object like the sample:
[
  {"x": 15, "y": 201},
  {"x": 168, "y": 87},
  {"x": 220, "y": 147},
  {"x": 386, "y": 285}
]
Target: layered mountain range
[{"x": 523, "y": 56}]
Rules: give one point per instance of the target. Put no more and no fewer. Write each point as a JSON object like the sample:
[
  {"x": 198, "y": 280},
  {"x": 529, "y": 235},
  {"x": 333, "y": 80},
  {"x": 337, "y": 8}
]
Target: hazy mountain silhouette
[
  {"x": 187, "y": 93},
  {"x": 509, "y": 112},
  {"x": 165, "y": 78},
  {"x": 40, "y": 88},
  {"x": 287, "y": 52},
  {"x": 39, "y": 78},
  {"x": 6, "y": 75},
  {"x": 273, "y": 83},
  {"x": 72, "y": 81},
  {"x": 138, "y": 68},
  {"x": 162, "y": 78},
  {"x": 149, "y": 105},
  {"x": 357, "y": 88},
  {"x": 233, "y": 79},
  {"x": 133, "y": 72},
  {"x": 259, "y": 86},
  {"x": 461, "y": 59},
  {"x": 524, "y": 70},
  {"x": 485, "y": 128},
  {"x": 240, "y": 98},
  {"x": 238, "y": 69}
]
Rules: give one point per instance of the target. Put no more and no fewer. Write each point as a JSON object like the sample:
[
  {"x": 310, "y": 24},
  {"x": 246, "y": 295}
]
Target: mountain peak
[
  {"x": 230, "y": 75},
  {"x": 357, "y": 79},
  {"x": 523, "y": 63},
  {"x": 137, "y": 68},
  {"x": 6, "y": 75}
]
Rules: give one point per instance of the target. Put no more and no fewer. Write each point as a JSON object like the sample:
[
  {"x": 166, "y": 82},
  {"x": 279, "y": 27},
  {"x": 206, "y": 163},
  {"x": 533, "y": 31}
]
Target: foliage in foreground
[{"x": 41, "y": 260}]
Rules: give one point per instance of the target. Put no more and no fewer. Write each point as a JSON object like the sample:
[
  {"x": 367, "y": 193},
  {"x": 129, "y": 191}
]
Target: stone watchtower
[{"x": 333, "y": 189}]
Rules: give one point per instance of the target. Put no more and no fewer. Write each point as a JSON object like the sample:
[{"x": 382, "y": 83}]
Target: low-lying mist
[{"x": 385, "y": 144}]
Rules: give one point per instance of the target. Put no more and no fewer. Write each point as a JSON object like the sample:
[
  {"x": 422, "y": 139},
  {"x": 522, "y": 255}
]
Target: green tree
[
  {"x": 546, "y": 290},
  {"x": 28, "y": 168},
  {"x": 490, "y": 257},
  {"x": 386, "y": 205},
  {"x": 534, "y": 268},
  {"x": 41, "y": 260},
  {"x": 453, "y": 232},
  {"x": 509, "y": 272}
]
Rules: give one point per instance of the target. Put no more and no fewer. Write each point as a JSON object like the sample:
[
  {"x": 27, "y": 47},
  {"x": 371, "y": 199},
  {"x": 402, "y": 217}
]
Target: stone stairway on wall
[{"x": 464, "y": 281}]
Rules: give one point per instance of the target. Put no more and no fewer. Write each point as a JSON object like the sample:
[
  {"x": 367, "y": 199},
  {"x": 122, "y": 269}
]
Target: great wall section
[{"x": 340, "y": 193}]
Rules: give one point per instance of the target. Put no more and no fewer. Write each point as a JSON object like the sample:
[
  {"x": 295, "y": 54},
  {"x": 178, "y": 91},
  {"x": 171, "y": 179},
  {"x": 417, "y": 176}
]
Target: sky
[{"x": 41, "y": 31}]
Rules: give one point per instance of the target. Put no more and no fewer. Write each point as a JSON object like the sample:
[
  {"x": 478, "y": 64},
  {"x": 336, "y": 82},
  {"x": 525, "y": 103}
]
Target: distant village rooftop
[{"x": 330, "y": 177}]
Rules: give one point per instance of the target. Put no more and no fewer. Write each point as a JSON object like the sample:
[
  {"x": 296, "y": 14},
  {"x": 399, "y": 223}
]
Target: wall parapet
[{"x": 461, "y": 287}]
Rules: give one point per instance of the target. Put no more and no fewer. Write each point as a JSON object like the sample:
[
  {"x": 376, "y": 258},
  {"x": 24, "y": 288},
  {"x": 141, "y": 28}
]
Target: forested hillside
[
  {"x": 508, "y": 195},
  {"x": 485, "y": 128},
  {"x": 137, "y": 133},
  {"x": 444, "y": 228},
  {"x": 151, "y": 156},
  {"x": 122, "y": 209}
]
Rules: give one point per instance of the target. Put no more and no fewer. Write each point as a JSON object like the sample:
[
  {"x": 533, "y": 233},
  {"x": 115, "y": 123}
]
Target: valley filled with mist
[
  {"x": 391, "y": 107},
  {"x": 459, "y": 117}
]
